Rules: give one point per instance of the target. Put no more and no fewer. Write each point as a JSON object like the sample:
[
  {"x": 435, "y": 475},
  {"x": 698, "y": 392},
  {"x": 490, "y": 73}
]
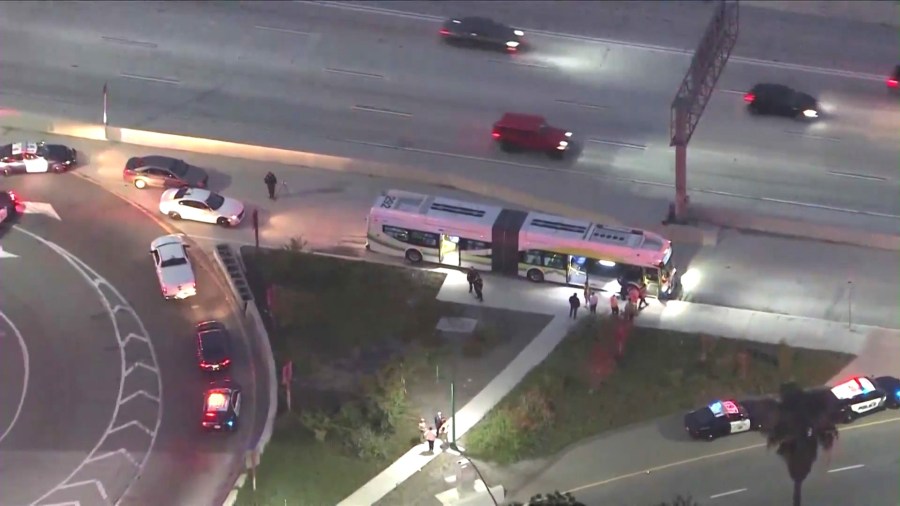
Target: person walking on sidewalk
[
  {"x": 430, "y": 436},
  {"x": 614, "y": 304},
  {"x": 422, "y": 426},
  {"x": 271, "y": 181},
  {"x": 471, "y": 276},
  {"x": 479, "y": 287},
  {"x": 592, "y": 302},
  {"x": 574, "y": 304},
  {"x": 642, "y": 292}
]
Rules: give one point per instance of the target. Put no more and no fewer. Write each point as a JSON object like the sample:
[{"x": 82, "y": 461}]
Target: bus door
[
  {"x": 651, "y": 277},
  {"x": 449, "y": 250},
  {"x": 577, "y": 274}
]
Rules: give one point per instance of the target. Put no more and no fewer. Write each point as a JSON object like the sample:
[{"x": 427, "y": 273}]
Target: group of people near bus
[{"x": 635, "y": 300}]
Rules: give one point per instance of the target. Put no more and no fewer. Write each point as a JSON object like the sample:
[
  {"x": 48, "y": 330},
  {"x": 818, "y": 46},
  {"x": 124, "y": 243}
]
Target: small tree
[{"x": 803, "y": 422}]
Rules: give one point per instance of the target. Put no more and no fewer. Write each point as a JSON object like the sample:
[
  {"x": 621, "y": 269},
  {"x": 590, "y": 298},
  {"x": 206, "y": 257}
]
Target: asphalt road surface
[
  {"x": 328, "y": 211},
  {"x": 382, "y": 87},
  {"x": 862, "y": 469},
  {"x": 184, "y": 466}
]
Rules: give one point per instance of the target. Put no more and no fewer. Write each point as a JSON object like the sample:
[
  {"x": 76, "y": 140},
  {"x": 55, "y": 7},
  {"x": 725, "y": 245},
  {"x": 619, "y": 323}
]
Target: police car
[
  {"x": 173, "y": 267},
  {"x": 860, "y": 396},
  {"x": 31, "y": 157},
  {"x": 720, "y": 418},
  {"x": 9, "y": 203},
  {"x": 221, "y": 406}
]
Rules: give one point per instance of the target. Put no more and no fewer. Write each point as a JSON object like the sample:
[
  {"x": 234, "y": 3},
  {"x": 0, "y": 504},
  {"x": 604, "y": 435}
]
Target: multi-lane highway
[
  {"x": 112, "y": 399},
  {"x": 736, "y": 472},
  {"x": 382, "y": 87}
]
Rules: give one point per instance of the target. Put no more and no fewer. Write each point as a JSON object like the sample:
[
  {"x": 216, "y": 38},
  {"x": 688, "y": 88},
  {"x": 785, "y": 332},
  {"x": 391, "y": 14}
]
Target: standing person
[
  {"x": 422, "y": 426},
  {"x": 479, "y": 287},
  {"x": 574, "y": 304},
  {"x": 471, "y": 276},
  {"x": 643, "y": 295},
  {"x": 614, "y": 304},
  {"x": 438, "y": 421},
  {"x": 587, "y": 292},
  {"x": 592, "y": 302},
  {"x": 633, "y": 297},
  {"x": 430, "y": 436},
  {"x": 271, "y": 181}
]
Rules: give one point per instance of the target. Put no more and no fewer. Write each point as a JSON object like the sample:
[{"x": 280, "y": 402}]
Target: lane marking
[
  {"x": 366, "y": 108},
  {"x": 730, "y": 492},
  {"x": 354, "y": 73},
  {"x": 521, "y": 64},
  {"x": 708, "y": 456},
  {"x": 813, "y": 136},
  {"x": 848, "y": 468},
  {"x": 857, "y": 175},
  {"x": 282, "y": 30},
  {"x": 164, "y": 80},
  {"x": 582, "y": 104},
  {"x": 621, "y": 43},
  {"x": 732, "y": 92},
  {"x": 5, "y": 254},
  {"x": 619, "y": 144},
  {"x": 129, "y": 42},
  {"x": 27, "y": 361}
]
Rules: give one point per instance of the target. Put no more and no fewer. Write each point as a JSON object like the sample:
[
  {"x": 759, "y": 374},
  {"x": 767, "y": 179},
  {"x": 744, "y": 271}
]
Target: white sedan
[
  {"x": 201, "y": 205},
  {"x": 173, "y": 267}
]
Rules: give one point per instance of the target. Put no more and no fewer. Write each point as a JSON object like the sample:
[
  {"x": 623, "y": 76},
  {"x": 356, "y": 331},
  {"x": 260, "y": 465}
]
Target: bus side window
[
  {"x": 397, "y": 233},
  {"x": 554, "y": 260},
  {"x": 531, "y": 257},
  {"x": 471, "y": 244},
  {"x": 426, "y": 239}
]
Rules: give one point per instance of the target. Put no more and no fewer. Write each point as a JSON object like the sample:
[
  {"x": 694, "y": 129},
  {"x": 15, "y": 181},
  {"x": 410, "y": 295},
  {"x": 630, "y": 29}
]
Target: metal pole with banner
[{"x": 287, "y": 374}]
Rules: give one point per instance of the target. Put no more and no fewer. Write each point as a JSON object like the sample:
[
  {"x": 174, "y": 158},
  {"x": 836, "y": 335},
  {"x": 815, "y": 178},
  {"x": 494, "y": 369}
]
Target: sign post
[
  {"x": 105, "y": 110},
  {"x": 287, "y": 374},
  {"x": 256, "y": 226}
]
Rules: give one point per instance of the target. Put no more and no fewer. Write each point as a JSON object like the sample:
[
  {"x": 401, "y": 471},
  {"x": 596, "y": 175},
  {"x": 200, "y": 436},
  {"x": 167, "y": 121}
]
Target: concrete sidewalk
[{"x": 515, "y": 294}]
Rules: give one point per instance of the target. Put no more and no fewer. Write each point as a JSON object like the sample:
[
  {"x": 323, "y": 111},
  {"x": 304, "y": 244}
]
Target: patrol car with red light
[
  {"x": 860, "y": 396},
  {"x": 221, "y": 406},
  {"x": 35, "y": 157},
  {"x": 720, "y": 418}
]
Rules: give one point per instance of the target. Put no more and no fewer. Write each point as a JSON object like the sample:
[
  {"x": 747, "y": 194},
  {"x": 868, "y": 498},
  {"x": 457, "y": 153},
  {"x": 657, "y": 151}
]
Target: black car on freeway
[
  {"x": 721, "y": 418},
  {"x": 221, "y": 406},
  {"x": 213, "y": 346},
  {"x": 484, "y": 33},
  {"x": 30, "y": 157},
  {"x": 163, "y": 172},
  {"x": 780, "y": 100}
]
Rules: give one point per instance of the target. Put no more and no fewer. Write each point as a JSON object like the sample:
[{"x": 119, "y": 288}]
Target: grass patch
[
  {"x": 355, "y": 332},
  {"x": 582, "y": 389}
]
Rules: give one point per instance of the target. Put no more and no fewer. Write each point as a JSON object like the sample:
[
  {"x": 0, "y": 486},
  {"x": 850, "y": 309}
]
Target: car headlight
[
  {"x": 811, "y": 113},
  {"x": 512, "y": 44},
  {"x": 568, "y": 134},
  {"x": 518, "y": 33},
  {"x": 562, "y": 145}
]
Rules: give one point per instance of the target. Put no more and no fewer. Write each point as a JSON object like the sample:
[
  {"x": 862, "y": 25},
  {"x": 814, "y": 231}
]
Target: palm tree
[{"x": 798, "y": 424}]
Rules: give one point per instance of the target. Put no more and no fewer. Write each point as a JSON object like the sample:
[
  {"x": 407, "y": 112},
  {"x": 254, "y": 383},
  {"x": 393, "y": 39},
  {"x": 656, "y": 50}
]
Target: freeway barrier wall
[{"x": 709, "y": 220}]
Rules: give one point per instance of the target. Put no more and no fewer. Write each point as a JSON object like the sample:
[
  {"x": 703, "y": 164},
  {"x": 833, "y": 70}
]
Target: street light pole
[
  {"x": 105, "y": 110},
  {"x": 849, "y": 304},
  {"x": 453, "y": 410}
]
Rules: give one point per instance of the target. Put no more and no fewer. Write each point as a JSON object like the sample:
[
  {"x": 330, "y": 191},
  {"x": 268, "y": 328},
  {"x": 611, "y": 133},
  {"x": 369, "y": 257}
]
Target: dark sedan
[
  {"x": 213, "y": 346},
  {"x": 483, "y": 32},
  {"x": 780, "y": 100},
  {"x": 163, "y": 172}
]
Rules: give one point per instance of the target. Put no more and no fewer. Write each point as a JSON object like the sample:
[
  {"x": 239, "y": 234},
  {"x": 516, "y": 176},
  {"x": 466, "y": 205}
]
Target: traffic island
[{"x": 372, "y": 351}]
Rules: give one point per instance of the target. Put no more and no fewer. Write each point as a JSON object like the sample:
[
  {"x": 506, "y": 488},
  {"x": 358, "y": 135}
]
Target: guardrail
[{"x": 233, "y": 266}]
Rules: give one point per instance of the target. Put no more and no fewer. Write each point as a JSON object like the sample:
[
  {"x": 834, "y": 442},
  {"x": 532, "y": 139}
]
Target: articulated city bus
[{"x": 540, "y": 247}]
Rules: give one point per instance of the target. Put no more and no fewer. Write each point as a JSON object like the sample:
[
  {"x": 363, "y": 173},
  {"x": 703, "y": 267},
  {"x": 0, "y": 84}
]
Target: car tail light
[
  {"x": 893, "y": 83},
  {"x": 495, "y": 134},
  {"x": 210, "y": 415},
  {"x": 226, "y": 361},
  {"x": 445, "y": 31},
  {"x": 749, "y": 97}
]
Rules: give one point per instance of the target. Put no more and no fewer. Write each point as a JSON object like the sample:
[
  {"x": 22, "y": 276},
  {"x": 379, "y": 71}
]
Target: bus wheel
[
  {"x": 413, "y": 256},
  {"x": 535, "y": 276}
]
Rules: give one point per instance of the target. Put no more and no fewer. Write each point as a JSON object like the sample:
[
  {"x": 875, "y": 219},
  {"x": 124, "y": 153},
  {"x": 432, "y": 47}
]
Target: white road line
[
  {"x": 354, "y": 73},
  {"x": 730, "y": 492},
  {"x": 366, "y": 108},
  {"x": 848, "y": 468},
  {"x": 813, "y": 136},
  {"x": 521, "y": 64},
  {"x": 582, "y": 104},
  {"x": 618, "y": 144},
  {"x": 857, "y": 175},
  {"x": 282, "y": 30},
  {"x": 152, "y": 79},
  {"x": 621, "y": 43},
  {"x": 27, "y": 361},
  {"x": 129, "y": 42},
  {"x": 732, "y": 92}
]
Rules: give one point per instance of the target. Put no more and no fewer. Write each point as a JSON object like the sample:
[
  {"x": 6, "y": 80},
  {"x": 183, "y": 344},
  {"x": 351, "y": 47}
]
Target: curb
[{"x": 232, "y": 266}]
